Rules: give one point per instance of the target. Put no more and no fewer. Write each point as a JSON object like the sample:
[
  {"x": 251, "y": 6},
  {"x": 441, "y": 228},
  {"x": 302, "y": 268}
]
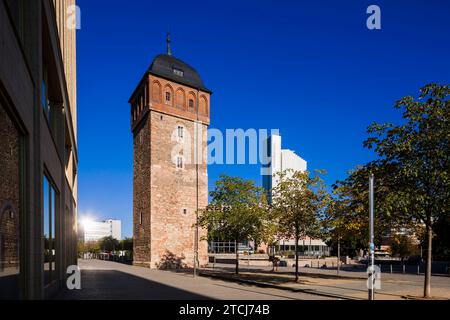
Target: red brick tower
[{"x": 170, "y": 114}]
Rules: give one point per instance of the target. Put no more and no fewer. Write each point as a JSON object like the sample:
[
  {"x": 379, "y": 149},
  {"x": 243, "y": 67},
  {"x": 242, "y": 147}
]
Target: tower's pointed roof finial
[{"x": 169, "y": 51}]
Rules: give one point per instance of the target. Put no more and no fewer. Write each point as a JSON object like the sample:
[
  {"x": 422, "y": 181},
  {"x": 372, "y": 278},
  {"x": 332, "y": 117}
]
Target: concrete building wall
[
  {"x": 97, "y": 230},
  {"x": 289, "y": 160},
  {"x": 31, "y": 56},
  {"x": 280, "y": 160},
  {"x": 115, "y": 227}
]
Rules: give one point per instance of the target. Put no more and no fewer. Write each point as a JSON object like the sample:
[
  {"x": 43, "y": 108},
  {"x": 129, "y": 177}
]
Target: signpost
[{"x": 371, "y": 272}]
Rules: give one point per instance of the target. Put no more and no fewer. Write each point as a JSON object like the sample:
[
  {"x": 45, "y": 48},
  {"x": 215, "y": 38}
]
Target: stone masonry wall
[
  {"x": 141, "y": 195},
  {"x": 174, "y": 194},
  {"x": 9, "y": 193}
]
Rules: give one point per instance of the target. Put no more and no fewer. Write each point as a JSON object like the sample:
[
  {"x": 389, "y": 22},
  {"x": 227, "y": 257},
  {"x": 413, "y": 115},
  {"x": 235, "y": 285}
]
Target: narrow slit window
[
  {"x": 180, "y": 162},
  {"x": 180, "y": 132}
]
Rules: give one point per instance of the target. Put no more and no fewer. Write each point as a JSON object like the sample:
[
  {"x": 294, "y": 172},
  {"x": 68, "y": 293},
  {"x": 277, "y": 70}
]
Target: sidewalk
[
  {"x": 349, "y": 285},
  {"x": 107, "y": 280}
]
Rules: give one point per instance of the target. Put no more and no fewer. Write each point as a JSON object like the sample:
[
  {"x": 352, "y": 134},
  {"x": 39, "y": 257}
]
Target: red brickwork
[{"x": 165, "y": 196}]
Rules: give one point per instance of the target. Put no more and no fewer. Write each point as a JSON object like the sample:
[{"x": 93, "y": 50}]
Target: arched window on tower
[
  {"x": 168, "y": 95},
  {"x": 203, "y": 105},
  {"x": 156, "y": 92},
  {"x": 180, "y": 102},
  {"x": 192, "y": 101}
]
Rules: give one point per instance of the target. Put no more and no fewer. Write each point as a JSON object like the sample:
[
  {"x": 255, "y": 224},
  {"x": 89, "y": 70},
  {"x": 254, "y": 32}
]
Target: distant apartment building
[
  {"x": 96, "y": 230},
  {"x": 38, "y": 147},
  {"x": 279, "y": 161}
]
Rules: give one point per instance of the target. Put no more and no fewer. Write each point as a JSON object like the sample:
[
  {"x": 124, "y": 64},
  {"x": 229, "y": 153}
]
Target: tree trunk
[
  {"x": 296, "y": 258},
  {"x": 339, "y": 256},
  {"x": 427, "y": 287},
  {"x": 237, "y": 256}
]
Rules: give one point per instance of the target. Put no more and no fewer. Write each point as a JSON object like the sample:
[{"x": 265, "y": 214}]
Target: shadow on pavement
[
  {"x": 279, "y": 276},
  {"x": 116, "y": 285}
]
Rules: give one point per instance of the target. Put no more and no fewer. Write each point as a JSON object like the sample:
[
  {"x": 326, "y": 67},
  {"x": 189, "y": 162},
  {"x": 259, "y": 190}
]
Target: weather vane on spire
[{"x": 169, "y": 51}]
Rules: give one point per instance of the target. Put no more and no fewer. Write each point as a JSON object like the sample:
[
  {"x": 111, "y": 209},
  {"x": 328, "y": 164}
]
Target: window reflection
[
  {"x": 9, "y": 209},
  {"x": 50, "y": 208}
]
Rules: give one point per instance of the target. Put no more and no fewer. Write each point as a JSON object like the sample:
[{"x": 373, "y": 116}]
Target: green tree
[
  {"x": 89, "y": 246},
  {"x": 297, "y": 203},
  {"x": 340, "y": 226},
  {"x": 237, "y": 211},
  {"x": 417, "y": 154},
  {"x": 126, "y": 244},
  {"x": 109, "y": 244},
  {"x": 403, "y": 246},
  {"x": 347, "y": 216}
]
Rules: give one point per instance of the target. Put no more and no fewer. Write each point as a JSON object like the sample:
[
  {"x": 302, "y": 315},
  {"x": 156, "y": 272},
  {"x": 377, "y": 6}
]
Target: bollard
[
  {"x": 403, "y": 269},
  {"x": 418, "y": 270},
  {"x": 391, "y": 268}
]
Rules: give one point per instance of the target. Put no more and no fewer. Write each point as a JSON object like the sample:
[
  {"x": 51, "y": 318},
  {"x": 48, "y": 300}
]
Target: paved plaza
[{"x": 110, "y": 280}]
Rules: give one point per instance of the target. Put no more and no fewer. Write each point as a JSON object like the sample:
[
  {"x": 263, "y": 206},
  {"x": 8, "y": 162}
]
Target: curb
[
  {"x": 274, "y": 286},
  {"x": 409, "y": 297},
  {"x": 327, "y": 276}
]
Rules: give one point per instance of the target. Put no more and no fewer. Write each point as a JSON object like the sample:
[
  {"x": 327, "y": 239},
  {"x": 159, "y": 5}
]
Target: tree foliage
[
  {"x": 412, "y": 170},
  {"x": 109, "y": 244},
  {"x": 126, "y": 244},
  {"x": 298, "y": 201},
  {"x": 237, "y": 212},
  {"x": 418, "y": 155},
  {"x": 88, "y": 247},
  {"x": 403, "y": 246}
]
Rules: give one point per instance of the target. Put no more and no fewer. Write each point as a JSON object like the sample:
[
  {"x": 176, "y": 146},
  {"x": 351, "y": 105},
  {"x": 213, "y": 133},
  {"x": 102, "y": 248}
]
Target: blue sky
[{"x": 308, "y": 68}]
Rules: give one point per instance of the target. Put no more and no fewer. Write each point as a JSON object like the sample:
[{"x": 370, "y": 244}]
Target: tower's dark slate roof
[{"x": 164, "y": 65}]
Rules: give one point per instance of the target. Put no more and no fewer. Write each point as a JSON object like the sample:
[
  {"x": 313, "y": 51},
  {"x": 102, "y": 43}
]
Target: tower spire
[{"x": 169, "y": 51}]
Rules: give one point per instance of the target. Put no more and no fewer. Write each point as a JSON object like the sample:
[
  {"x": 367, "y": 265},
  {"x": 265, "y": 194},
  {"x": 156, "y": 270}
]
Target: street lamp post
[
  {"x": 196, "y": 246},
  {"x": 371, "y": 273}
]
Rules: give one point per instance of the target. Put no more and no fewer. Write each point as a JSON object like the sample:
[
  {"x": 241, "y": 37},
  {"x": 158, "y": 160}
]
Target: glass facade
[
  {"x": 304, "y": 250},
  {"x": 50, "y": 211}
]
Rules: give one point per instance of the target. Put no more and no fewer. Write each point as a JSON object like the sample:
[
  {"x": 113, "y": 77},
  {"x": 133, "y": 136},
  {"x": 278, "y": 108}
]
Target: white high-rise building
[
  {"x": 95, "y": 230},
  {"x": 280, "y": 160}
]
